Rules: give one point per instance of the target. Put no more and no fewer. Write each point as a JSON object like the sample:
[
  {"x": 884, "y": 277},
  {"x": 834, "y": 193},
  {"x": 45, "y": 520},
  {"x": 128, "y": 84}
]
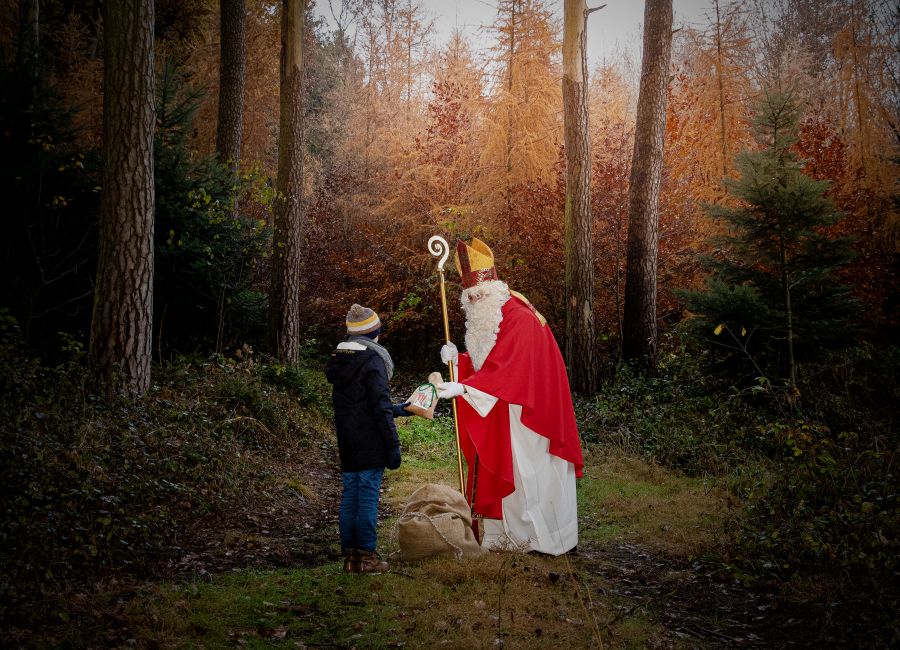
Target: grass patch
[
  {"x": 508, "y": 599},
  {"x": 626, "y": 498},
  {"x": 427, "y": 444},
  {"x": 521, "y": 601}
]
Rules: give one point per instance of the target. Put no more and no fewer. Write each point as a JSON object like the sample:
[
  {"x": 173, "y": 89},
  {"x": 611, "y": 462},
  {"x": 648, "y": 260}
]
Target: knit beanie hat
[{"x": 362, "y": 321}]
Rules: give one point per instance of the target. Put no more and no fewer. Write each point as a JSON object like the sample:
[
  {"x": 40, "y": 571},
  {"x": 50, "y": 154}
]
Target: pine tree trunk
[
  {"x": 284, "y": 295},
  {"x": 121, "y": 330},
  {"x": 580, "y": 353},
  {"x": 640, "y": 334},
  {"x": 232, "y": 71}
]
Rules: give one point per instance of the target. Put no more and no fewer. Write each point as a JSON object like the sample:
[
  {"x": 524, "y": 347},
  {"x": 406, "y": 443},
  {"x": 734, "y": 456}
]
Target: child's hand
[
  {"x": 399, "y": 410},
  {"x": 394, "y": 458}
]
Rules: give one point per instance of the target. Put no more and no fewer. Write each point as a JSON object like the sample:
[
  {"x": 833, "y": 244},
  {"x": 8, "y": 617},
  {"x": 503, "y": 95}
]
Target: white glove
[
  {"x": 451, "y": 389},
  {"x": 449, "y": 353}
]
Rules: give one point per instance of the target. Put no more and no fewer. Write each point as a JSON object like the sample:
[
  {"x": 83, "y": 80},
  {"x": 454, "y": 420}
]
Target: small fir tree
[
  {"x": 206, "y": 294},
  {"x": 772, "y": 298}
]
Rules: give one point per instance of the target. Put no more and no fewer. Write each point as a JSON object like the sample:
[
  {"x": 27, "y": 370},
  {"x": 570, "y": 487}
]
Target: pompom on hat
[
  {"x": 362, "y": 321},
  {"x": 474, "y": 263}
]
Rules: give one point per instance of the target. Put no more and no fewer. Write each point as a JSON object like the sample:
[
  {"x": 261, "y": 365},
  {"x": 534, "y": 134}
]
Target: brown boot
[
  {"x": 351, "y": 561},
  {"x": 371, "y": 562}
]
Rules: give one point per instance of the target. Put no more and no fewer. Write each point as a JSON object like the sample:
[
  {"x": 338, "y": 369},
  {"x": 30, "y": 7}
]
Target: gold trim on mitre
[{"x": 474, "y": 263}]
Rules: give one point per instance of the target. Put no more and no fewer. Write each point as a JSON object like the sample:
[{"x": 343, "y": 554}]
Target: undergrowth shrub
[
  {"x": 816, "y": 476},
  {"x": 680, "y": 418},
  {"x": 94, "y": 487},
  {"x": 831, "y": 507}
]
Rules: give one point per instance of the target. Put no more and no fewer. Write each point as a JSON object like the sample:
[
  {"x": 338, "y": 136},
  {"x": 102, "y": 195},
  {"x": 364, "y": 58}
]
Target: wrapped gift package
[{"x": 424, "y": 398}]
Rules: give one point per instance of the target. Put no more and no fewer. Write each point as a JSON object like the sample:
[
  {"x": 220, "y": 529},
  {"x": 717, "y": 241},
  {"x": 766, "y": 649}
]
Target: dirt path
[
  {"x": 694, "y": 602},
  {"x": 291, "y": 524},
  {"x": 281, "y": 527},
  {"x": 691, "y": 602}
]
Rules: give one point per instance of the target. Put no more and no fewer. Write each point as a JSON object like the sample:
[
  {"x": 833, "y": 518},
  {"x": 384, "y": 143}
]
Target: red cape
[{"x": 524, "y": 367}]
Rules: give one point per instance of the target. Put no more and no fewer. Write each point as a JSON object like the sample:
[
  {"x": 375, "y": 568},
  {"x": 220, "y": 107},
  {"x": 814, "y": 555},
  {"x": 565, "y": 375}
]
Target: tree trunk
[
  {"x": 121, "y": 330},
  {"x": 284, "y": 295},
  {"x": 788, "y": 311},
  {"x": 580, "y": 353},
  {"x": 30, "y": 44},
  {"x": 232, "y": 67},
  {"x": 723, "y": 140},
  {"x": 646, "y": 176},
  {"x": 509, "y": 107}
]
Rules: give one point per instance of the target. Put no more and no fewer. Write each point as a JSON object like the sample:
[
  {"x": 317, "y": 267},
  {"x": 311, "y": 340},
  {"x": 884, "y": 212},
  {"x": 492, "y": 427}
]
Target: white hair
[{"x": 483, "y": 306}]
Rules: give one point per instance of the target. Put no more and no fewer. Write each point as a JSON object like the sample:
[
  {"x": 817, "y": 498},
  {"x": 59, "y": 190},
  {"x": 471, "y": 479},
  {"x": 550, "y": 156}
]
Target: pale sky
[{"x": 613, "y": 29}]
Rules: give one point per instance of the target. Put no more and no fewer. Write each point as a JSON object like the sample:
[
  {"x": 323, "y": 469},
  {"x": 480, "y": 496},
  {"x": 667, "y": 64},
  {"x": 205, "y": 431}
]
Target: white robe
[{"x": 542, "y": 513}]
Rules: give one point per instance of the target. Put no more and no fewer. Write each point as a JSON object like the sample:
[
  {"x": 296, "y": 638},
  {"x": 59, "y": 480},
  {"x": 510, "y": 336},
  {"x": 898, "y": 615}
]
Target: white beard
[{"x": 483, "y": 318}]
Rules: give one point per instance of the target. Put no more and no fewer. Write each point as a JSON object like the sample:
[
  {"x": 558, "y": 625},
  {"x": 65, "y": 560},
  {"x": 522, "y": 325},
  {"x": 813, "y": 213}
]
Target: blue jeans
[{"x": 358, "y": 518}]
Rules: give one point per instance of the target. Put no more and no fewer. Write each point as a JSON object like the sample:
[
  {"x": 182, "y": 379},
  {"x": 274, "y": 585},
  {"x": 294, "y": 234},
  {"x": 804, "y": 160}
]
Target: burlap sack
[
  {"x": 424, "y": 398},
  {"x": 436, "y": 522}
]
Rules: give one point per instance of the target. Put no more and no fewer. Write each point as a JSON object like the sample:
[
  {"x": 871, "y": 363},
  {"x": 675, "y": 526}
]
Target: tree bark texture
[
  {"x": 723, "y": 140},
  {"x": 30, "y": 26},
  {"x": 121, "y": 329},
  {"x": 284, "y": 296},
  {"x": 232, "y": 72},
  {"x": 580, "y": 353},
  {"x": 640, "y": 332}
]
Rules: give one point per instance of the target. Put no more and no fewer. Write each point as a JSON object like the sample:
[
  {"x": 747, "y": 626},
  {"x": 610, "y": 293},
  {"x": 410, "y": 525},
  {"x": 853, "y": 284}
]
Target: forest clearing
[
  {"x": 207, "y": 515},
  {"x": 238, "y": 234}
]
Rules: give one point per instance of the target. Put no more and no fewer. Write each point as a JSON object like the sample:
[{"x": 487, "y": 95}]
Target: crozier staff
[{"x": 517, "y": 422}]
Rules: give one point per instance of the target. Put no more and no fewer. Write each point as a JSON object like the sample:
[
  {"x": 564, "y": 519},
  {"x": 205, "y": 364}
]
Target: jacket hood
[{"x": 346, "y": 361}]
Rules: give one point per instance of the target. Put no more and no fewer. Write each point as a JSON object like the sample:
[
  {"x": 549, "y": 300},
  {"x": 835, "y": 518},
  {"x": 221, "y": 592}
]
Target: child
[{"x": 359, "y": 371}]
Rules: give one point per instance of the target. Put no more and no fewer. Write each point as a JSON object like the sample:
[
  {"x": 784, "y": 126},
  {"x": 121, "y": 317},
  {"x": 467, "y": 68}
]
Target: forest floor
[{"x": 636, "y": 579}]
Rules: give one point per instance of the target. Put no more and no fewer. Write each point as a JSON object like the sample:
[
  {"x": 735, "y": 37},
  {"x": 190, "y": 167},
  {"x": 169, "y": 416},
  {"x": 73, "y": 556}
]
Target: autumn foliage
[{"x": 407, "y": 135}]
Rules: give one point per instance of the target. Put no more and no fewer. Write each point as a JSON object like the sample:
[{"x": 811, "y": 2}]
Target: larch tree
[
  {"x": 401, "y": 115},
  {"x": 121, "y": 327},
  {"x": 522, "y": 127},
  {"x": 447, "y": 164},
  {"x": 413, "y": 38},
  {"x": 639, "y": 319},
  {"x": 580, "y": 352},
  {"x": 386, "y": 76},
  {"x": 868, "y": 94},
  {"x": 710, "y": 93},
  {"x": 612, "y": 132},
  {"x": 232, "y": 72},
  {"x": 284, "y": 292},
  {"x": 719, "y": 64},
  {"x": 372, "y": 53}
]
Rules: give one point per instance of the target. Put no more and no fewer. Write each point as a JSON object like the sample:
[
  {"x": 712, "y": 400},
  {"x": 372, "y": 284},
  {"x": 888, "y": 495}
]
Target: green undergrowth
[
  {"x": 500, "y": 599},
  {"x": 94, "y": 487},
  {"x": 425, "y": 442},
  {"x": 796, "y": 498},
  {"x": 815, "y": 475},
  {"x": 681, "y": 418}
]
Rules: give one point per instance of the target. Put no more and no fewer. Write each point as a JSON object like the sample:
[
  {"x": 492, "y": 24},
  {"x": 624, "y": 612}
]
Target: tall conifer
[{"x": 773, "y": 297}]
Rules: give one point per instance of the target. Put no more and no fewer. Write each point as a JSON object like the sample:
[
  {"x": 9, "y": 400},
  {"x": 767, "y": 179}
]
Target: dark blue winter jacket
[{"x": 363, "y": 412}]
